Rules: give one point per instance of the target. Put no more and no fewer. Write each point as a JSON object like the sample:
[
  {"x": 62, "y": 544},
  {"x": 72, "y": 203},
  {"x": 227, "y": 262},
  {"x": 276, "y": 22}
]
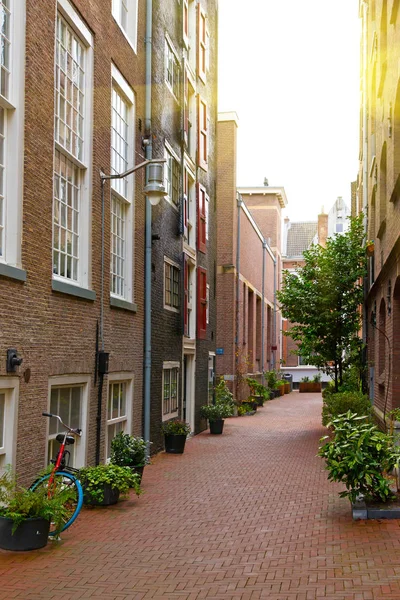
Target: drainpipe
[
  {"x": 264, "y": 245},
  {"x": 239, "y": 205},
  {"x": 273, "y": 355},
  {"x": 147, "y": 265},
  {"x": 365, "y": 176}
]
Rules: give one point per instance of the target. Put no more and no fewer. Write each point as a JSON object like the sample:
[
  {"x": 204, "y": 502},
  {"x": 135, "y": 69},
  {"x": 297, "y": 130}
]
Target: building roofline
[
  {"x": 228, "y": 116},
  {"x": 279, "y": 192}
]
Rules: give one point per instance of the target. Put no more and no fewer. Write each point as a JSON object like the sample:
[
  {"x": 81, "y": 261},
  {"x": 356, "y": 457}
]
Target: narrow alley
[{"x": 246, "y": 515}]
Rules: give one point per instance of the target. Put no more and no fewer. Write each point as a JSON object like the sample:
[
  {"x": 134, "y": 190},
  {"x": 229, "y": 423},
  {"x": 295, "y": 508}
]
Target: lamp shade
[{"x": 154, "y": 187}]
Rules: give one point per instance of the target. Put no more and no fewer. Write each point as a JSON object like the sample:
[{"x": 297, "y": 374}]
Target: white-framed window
[
  {"x": 171, "y": 285},
  {"x": 172, "y": 69},
  {"x": 339, "y": 228},
  {"x": 122, "y": 194},
  {"x": 119, "y": 407},
  {"x": 125, "y": 12},
  {"x": 170, "y": 401},
  {"x": 171, "y": 174},
  {"x": 9, "y": 390},
  {"x": 208, "y": 303},
  {"x": 68, "y": 398},
  {"x": 189, "y": 206},
  {"x": 73, "y": 147},
  {"x": 12, "y": 65}
]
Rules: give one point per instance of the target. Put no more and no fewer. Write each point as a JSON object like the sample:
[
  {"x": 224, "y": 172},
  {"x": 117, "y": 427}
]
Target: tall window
[
  {"x": 12, "y": 61},
  {"x": 171, "y": 285},
  {"x": 170, "y": 391},
  {"x": 172, "y": 70},
  {"x": 9, "y": 388},
  {"x": 125, "y": 12},
  {"x": 172, "y": 178},
  {"x": 72, "y": 148},
  {"x": 117, "y": 411},
  {"x": 122, "y": 107},
  {"x": 67, "y": 403}
]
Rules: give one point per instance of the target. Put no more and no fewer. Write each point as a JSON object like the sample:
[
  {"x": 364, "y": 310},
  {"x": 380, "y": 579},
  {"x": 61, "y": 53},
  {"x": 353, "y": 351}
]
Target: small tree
[{"x": 323, "y": 300}]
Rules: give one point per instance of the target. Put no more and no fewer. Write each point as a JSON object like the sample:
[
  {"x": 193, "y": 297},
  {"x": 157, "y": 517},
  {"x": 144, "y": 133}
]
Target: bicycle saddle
[{"x": 69, "y": 439}]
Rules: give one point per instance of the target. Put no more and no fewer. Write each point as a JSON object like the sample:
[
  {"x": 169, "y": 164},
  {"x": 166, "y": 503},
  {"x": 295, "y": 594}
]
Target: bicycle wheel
[{"x": 67, "y": 486}]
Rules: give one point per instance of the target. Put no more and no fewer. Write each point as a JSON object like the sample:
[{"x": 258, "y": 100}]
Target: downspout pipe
[
  {"x": 239, "y": 206},
  {"x": 273, "y": 354},
  {"x": 365, "y": 158},
  {"x": 147, "y": 265}
]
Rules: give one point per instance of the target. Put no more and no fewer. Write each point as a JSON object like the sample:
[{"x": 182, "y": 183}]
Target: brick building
[
  {"x": 74, "y": 103},
  {"x": 248, "y": 267},
  {"x": 183, "y": 263},
  {"x": 378, "y": 192}
]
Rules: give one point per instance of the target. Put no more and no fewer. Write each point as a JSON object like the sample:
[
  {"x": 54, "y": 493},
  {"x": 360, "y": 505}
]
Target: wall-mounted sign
[
  {"x": 229, "y": 377},
  {"x": 219, "y": 351}
]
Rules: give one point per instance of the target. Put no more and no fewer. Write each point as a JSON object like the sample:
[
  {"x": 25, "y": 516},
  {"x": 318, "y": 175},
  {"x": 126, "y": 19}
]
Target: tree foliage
[{"x": 322, "y": 300}]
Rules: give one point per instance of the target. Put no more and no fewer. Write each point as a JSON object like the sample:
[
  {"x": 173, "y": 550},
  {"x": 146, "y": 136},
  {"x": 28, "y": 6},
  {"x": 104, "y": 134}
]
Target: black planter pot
[
  {"x": 175, "y": 444},
  {"x": 139, "y": 471},
  {"x": 110, "y": 496},
  {"x": 29, "y": 535},
  {"x": 217, "y": 426}
]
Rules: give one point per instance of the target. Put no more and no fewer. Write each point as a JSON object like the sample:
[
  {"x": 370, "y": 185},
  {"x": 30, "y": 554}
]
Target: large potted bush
[
  {"x": 25, "y": 515},
  {"x": 175, "y": 433},
  {"x": 129, "y": 451},
  {"x": 360, "y": 456},
  {"x": 259, "y": 393},
  {"x": 216, "y": 413},
  {"x": 103, "y": 484},
  {"x": 309, "y": 386}
]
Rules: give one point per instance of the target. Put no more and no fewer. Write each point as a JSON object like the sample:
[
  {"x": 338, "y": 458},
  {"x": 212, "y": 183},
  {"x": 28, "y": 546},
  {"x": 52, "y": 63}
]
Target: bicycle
[{"x": 63, "y": 477}]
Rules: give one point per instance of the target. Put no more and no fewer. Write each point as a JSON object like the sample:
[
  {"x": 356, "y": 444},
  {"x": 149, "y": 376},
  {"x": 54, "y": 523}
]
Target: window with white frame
[
  {"x": 8, "y": 412},
  {"x": 171, "y": 285},
  {"x": 122, "y": 158},
  {"x": 172, "y": 69},
  {"x": 118, "y": 410},
  {"x": 125, "y": 12},
  {"x": 72, "y": 132},
  {"x": 172, "y": 172},
  {"x": 12, "y": 59},
  {"x": 68, "y": 398},
  {"x": 170, "y": 390}
]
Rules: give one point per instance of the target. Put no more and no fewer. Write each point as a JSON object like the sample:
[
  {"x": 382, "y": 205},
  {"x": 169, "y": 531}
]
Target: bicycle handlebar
[{"x": 76, "y": 431}]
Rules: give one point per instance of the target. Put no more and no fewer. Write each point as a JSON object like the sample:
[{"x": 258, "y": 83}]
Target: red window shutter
[
  {"x": 201, "y": 303},
  {"x": 186, "y": 296},
  {"x": 202, "y": 134},
  {"x": 201, "y": 218},
  {"x": 186, "y": 108},
  {"x": 201, "y": 44}
]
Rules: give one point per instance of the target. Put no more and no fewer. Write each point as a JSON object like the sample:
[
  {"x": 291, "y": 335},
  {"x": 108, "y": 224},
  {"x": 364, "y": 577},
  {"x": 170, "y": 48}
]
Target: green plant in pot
[
  {"x": 25, "y": 515},
  {"x": 104, "y": 484},
  {"x": 175, "y": 433},
  {"x": 258, "y": 391},
  {"x": 216, "y": 413},
  {"x": 129, "y": 451}
]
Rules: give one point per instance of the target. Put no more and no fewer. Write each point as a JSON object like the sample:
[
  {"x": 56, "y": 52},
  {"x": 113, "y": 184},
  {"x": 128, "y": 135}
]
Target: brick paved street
[{"x": 246, "y": 515}]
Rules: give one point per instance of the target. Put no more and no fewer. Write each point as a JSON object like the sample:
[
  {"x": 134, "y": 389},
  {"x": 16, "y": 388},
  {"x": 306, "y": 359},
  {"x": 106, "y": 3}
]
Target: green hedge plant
[
  {"x": 94, "y": 479},
  {"x": 337, "y": 404},
  {"x": 359, "y": 455}
]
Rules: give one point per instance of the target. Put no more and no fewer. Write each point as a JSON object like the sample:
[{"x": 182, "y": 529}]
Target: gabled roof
[{"x": 299, "y": 237}]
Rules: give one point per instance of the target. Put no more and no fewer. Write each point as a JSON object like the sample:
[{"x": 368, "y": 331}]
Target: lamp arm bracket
[{"x": 103, "y": 176}]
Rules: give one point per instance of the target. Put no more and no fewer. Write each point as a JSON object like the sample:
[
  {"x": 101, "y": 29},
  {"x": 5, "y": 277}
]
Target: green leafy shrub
[
  {"x": 271, "y": 378},
  {"x": 359, "y": 455},
  {"x": 217, "y": 411},
  {"x": 317, "y": 378},
  {"x": 94, "y": 479},
  {"x": 223, "y": 395},
  {"x": 18, "y": 503},
  {"x": 305, "y": 379},
  {"x": 127, "y": 450},
  {"x": 175, "y": 427},
  {"x": 337, "y": 404},
  {"x": 257, "y": 389},
  {"x": 244, "y": 408}
]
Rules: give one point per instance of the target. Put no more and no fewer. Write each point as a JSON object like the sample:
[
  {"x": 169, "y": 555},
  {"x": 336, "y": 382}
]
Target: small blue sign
[{"x": 219, "y": 351}]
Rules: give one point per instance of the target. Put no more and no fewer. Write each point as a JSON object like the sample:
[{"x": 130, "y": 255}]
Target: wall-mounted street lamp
[{"x": 154, "y": 191}]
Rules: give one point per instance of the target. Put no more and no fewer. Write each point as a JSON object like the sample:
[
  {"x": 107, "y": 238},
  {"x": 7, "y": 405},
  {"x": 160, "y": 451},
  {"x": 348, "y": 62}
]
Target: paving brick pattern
[{"x": 246, "y": 515}]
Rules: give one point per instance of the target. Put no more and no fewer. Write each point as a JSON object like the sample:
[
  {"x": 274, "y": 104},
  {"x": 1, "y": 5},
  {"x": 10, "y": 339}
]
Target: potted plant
[
  {"x": 175, "y": 433},
  {"x": 216, "y": 413},
  {"x": 280, "y": 385},
  {"x": 103, "y": 484},
  {"x": 370, "y": 247},
  {"x": 245, "y": 409},
  {"x": 272, "y": 380},
  {"x": 25, "y": 515},
  {"x": 129, "y": 451},
  {"x": 258, "y": 391}
]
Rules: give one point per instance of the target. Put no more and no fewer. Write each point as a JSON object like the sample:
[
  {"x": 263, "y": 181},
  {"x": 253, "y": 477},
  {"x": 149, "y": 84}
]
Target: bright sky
[{"x": 290, "y": 69}]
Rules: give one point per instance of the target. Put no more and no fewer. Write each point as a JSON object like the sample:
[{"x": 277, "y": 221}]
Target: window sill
[
  {"x": 12, "y": 272},
  {"x": 124, "y": 304},
  {"x": 73, "y": 290}
]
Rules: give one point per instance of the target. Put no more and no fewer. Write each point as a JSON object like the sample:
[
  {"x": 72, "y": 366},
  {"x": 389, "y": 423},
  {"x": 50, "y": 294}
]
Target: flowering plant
[{"x": 175, "y": 427}]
